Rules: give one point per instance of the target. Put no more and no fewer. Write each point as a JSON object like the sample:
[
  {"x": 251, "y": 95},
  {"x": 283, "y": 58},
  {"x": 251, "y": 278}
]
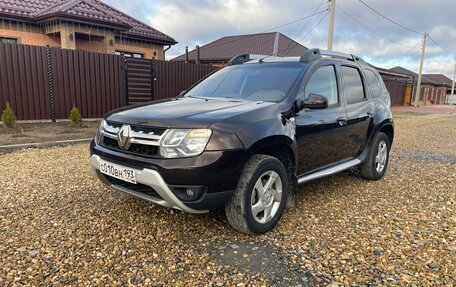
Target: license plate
[{"x": 118, "y": 171}]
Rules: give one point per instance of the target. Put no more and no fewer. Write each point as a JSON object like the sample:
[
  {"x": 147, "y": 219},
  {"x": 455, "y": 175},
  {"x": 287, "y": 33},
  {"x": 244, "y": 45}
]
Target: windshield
[{"x": 253, "y": 82}]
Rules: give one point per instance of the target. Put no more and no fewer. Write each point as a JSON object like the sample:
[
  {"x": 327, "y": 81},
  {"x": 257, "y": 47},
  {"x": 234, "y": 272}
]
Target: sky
[{"x": 358, "y": 30}]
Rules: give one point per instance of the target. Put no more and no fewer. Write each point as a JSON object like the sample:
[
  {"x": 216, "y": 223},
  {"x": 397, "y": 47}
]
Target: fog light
[{"x": 188, "y": 192}]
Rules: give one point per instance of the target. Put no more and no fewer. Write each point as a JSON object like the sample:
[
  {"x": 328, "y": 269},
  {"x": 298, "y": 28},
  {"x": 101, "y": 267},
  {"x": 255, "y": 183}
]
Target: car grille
[
  {"x": 141, "y": 188},
  {"x": 143, "y": 141}
]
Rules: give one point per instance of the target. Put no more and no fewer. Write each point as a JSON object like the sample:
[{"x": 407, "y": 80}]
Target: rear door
[
  {"x": 321, "y": 134},
  {"x": 359, "y": 108}
]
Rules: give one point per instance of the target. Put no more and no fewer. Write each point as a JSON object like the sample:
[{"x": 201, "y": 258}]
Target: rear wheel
[
  {"x": 376, "y": 163},
  {"x": 260, "y": 196}
]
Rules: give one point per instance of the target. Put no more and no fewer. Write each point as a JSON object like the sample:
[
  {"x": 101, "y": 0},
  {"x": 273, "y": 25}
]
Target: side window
[
  {"x": 374, "y": 83},
  {"x": 323, "y": 82},
  {"x": 353, "y": 85}
]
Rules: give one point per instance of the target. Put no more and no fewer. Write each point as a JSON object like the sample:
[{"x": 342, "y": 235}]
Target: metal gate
[{"x": 139, "y": 81}]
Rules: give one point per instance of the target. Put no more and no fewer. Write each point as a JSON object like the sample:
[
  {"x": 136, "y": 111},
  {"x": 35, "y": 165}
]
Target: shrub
[
  {"x": 75, "y": 115},
  {"x": 8, "y": 117}
]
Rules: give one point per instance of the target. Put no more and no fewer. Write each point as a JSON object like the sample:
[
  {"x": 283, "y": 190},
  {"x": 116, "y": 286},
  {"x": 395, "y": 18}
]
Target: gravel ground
[{"x": 60, "y": 226}]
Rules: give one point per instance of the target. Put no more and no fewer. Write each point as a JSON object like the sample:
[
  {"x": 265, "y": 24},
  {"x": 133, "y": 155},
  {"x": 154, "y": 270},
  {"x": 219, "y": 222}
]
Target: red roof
[
  {"x": 440, "y": 77},
  {"x": 91, "y": 11},
  {"x": 226, "y": 48}
]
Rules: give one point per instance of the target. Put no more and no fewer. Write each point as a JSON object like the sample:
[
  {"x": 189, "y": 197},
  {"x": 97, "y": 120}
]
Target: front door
[{"x": 321, "y": 134}]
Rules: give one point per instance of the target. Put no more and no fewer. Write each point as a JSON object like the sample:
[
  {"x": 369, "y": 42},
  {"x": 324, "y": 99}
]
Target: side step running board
[{"x": 329, "y": 171}]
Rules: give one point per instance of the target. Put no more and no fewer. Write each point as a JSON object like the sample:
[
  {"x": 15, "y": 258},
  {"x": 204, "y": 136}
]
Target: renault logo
[{"x": 123, "y": 137}]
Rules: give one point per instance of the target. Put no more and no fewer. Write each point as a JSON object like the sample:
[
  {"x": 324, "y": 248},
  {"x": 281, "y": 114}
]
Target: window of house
[
  {"x": 130, "y": 54},
  {"x": 354, "y": 87},
  {"x": 374, "y": 82},
  {"x": 324, "y": 83},
  {"x": 8, "y": 40}
]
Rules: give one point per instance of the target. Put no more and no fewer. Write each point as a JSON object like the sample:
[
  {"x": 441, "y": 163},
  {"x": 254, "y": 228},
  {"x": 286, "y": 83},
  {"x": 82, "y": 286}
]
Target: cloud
[{"x": 358, "y": 30}]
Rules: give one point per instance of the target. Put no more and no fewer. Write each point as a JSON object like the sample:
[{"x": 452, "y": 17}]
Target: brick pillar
[
  {"x": 67, "y": 37},
  {"x": 109, "y": 43}
]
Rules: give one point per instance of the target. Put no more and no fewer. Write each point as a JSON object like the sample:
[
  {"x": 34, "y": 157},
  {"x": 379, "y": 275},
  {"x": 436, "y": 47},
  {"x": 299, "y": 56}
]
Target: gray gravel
[{"x": 60, "y": 226}]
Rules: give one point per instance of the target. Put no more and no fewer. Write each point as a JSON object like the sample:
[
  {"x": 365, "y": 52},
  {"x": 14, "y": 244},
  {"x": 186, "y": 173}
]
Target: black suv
[{"x": 245, "y": 137}]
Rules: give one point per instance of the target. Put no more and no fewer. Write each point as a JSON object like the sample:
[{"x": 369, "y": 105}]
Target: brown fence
[
  {"x": 91, "y": 81},
  {"x": 44, "y": 83},
  {"x": 173, "y": 77},
  {"x": 23, "y": 81},
  {"x": 155, "y": 80}
]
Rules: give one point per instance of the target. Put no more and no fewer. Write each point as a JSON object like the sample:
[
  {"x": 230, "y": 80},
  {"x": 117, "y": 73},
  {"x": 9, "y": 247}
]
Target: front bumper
[
  {"x": 152, "y": 179},
  {"x": 216, "y": 173}
]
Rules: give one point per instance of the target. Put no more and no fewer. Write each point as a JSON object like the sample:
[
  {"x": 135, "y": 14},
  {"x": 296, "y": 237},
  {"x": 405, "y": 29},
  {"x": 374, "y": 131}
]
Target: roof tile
[
  {"x": 226, "y": 48},
  {"x": 91, "y": 10}
]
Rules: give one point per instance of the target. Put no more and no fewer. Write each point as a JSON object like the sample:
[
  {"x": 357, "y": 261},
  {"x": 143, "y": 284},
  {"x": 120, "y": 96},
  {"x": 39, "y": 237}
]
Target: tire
[
  {"x": 376, "y": 163},
  {"x": 246, "y": 212}
]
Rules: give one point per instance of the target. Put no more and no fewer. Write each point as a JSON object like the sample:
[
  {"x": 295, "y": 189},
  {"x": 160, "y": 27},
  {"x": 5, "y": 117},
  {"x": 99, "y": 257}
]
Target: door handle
[
  {"x": 370, "y": 115},
  {"x": 342, "y": 121}
]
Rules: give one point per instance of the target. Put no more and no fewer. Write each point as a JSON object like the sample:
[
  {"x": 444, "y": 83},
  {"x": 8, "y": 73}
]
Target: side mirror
[
  {"x": 181, "y": 94},
  {"x": 314, "y": 102}
]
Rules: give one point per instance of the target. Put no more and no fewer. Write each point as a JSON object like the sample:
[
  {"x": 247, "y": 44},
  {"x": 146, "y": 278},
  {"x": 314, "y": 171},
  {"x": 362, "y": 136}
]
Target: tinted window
[
  {"x": 323, "y": 82},
  {"x": 254, "y": 82},
  {"x": 8, "y": 40},
  {"x": 374, "y": 83},
  {"x": 129, "y": 54},
  {"x": 353, "y": 85}
]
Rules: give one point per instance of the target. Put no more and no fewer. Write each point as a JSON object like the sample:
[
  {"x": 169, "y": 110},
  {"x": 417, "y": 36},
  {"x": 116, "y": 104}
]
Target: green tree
[{"x": 8, "y": 117}]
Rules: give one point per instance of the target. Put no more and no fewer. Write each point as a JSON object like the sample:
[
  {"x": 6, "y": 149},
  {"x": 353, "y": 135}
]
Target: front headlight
[
  {"x": 99, "y": 131},
  {"x": 184, "y": 143}
]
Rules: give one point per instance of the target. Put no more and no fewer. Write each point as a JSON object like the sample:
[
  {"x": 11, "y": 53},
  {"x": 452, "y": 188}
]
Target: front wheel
[
  {"x": 374, "y": 167},
  {"x": 260, "y": 196}
]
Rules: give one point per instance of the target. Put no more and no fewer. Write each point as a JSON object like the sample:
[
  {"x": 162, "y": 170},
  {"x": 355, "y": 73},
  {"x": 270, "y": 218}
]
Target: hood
[{"x": 184, "y": 112}]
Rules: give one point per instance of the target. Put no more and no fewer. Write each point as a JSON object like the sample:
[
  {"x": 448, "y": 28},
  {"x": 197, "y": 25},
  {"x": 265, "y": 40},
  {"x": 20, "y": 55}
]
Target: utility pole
[
  {"x": 420, "y": 75},
  {"x": 332, "y": 11},
  {"x": 450, "y": 100}
]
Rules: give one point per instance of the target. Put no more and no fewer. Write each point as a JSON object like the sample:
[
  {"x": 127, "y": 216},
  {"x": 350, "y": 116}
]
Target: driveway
[{"x": 60, "y": 226}]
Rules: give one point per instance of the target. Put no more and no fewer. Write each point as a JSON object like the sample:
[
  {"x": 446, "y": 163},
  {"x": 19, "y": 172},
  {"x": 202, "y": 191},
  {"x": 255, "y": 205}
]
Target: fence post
[
  {"x": 153, "y": 66},
  {"x": 50, "y": 82},
  {"x": 124, "y": 81}
]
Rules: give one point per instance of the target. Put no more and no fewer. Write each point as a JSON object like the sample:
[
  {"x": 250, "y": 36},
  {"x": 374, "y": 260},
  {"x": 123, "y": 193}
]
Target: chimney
[
  {"x": 197, "y": 54},
  {"x": 186, "y": 54}
]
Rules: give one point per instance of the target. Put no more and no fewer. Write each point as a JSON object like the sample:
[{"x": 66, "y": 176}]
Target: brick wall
[
  {"x": 100, "y": 41},
  {"x": 29, "y": 35},
  {"x": 150, "y": 51}
]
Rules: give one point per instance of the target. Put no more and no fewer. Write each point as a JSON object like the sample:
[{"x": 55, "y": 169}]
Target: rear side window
[
  {"x": 323, "y": 82},
  {"x": 353, "y": 85},
  {"x": 374, "y": 83}
]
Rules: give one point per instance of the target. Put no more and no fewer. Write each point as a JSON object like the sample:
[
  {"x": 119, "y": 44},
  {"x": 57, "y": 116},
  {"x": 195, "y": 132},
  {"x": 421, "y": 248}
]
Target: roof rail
[
  {"x": 314, "y": 54},
  {"x": 243, "y": 58}
]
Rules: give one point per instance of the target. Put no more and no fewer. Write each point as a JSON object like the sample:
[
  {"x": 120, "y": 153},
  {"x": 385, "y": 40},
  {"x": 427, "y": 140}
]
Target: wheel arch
[{"x": 281, "y": 147}]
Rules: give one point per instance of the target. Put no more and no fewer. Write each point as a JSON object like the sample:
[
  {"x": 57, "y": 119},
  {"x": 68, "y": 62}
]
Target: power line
[
  {"x": 446, "y": 50},
  {"x": 406, "y": 28},
  {"x": 268, "y": 30},
  {"x": 369, "y": 29},
  {"x": 292, "y": 17},
  {"x": 406, "y": 54},
  {"x": 308, "y": 33},
  {"x": 304, "y": 27},
  {"x": 392, "y": 21}
]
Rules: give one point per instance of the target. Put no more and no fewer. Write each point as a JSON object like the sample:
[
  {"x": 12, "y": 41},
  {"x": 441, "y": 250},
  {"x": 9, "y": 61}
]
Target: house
[
  {"x": 400, "y": 86},
  {"x": 433, "y": 91},
  {"x": 220, "y": 51},
  {"x": 443, "y": 79},
  {"x": 89, "y": 25}
]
